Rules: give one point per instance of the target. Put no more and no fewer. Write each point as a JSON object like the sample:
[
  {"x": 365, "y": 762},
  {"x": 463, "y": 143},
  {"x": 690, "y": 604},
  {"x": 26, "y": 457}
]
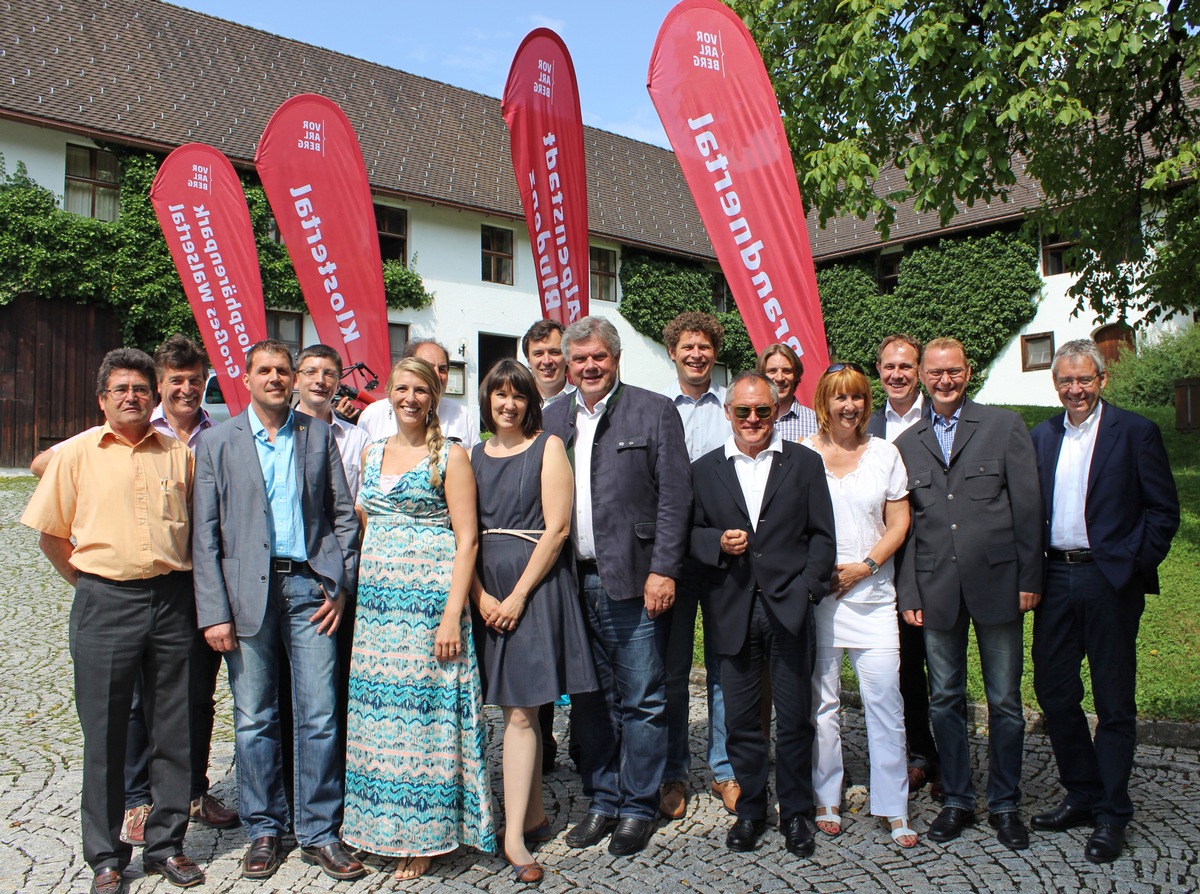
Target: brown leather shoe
[
  {"x": 263, "y": 857},
  {"x": 334, "y": 861},
  {"x": 133, "y": 828},
  {"x": 728, "y": 791},
  {"x": 209, "y": 811},
  {"x": 179, "y": 870},
  {"x": 108, "y": 881},
  {"x": 672, "y": 800}
]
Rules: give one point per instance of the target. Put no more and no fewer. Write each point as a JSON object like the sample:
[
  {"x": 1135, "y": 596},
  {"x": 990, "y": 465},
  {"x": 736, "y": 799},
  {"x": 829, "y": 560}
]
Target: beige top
[{"x": 128, "y": 506}]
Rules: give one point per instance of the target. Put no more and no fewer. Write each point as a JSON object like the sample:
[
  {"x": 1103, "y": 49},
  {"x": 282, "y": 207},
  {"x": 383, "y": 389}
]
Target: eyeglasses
[
  {"x": 954, "y": 373},
  {"x": 141, "y": 392},
  {"x": 312, "y": 372},
  {"x": 1067, "y": 381},
  {"x": 762, "y": 411},
  {"x": 838, "y": 367}
]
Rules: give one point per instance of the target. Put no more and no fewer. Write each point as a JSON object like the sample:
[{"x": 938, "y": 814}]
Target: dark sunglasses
[
  {"x": 838, "y": 367},
  {"x": 762, "y": 411}
]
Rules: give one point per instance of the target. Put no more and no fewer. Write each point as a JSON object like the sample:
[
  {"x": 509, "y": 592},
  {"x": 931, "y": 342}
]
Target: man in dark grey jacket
[{"x": 633, "y": 497}]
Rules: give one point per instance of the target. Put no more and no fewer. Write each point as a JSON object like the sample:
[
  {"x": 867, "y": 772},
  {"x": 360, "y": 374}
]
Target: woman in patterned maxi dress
[{"x": 416, "y": 773}]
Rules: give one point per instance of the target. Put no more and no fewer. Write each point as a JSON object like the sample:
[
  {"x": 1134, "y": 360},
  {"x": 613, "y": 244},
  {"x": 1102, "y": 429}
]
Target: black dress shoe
[
  {"x": 1010, "y": 831},
  {"x": 1063, "y": 817},
  {"x": 263, "y": 857},
  {"x": 591, "y": 831},
  {"x": 334, "y": 861},
  {"x": 630, "y": 836},
  {"x": 744, "y": 834},
  {"x": 108, "y": 881},
  {"x": 798, "y": 837},
  {"x": 179, "y": 870},
  {"x": 1105, "y": 843},
  {"x": 950, "y": 823}
]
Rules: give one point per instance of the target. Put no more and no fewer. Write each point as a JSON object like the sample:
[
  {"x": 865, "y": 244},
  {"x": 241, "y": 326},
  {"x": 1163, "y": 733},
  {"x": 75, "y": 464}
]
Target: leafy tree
[{"x": 938, "y": 102}]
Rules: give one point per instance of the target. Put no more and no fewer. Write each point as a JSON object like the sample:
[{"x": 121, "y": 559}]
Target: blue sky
[{"x": 470, "y": 44}]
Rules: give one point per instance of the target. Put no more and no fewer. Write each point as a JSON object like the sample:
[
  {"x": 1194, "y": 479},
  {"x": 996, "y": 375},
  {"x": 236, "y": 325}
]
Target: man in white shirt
[
  {"x": 318, "y": 371},
  {"x": 1110, "y": 509},
  {"x": 898, "y": 361},
  {"x": 462, "y": 426},
  {"x": 763, "y": 527},
  {"x": 693, "y": 342},
  {"x": 542, "y": 347}
]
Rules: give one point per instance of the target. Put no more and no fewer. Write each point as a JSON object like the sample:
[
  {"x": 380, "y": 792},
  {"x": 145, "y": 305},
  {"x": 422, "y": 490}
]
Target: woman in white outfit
[{"x": 868, "y": 484}]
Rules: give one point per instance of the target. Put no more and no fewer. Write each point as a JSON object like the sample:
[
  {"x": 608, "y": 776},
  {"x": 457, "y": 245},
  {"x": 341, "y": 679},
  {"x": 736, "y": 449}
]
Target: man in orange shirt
[{"x": 123, "y": 493}]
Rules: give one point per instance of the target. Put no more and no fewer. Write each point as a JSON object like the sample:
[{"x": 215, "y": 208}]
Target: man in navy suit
[
  {"x": 1111, "y": 509},
  {"x": 633, "y": 499}
]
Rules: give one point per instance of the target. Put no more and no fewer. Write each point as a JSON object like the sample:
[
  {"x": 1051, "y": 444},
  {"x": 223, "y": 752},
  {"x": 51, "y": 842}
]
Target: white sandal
[
  {"x": 898, "y": 827},
  {"x": 832, "y": 817}
]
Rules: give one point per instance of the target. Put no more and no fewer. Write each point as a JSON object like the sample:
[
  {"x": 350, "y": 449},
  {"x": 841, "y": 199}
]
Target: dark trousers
[
  {"x": 790, "y": 659},
  {"x": 120, "y": 632},
  {"x": 205, "y": 666},
  {"x": 914, "y": 689},
  {"x": 1081, "y": 614}
]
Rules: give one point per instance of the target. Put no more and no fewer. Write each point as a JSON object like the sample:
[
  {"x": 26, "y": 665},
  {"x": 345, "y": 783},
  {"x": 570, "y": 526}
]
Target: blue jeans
[
  {"x": 1001, "y": 654},
  {"x": 254, "y": 679},
  {"x": 622, "y": 726},
  {"x": 679, "y": 670}
]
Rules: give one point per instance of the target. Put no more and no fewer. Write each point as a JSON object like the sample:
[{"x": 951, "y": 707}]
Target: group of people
[{"x": 371, "y": 587}]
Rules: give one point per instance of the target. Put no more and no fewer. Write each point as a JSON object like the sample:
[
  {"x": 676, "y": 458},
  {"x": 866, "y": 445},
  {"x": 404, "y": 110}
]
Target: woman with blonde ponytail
[{"x": 415, "y": 734}]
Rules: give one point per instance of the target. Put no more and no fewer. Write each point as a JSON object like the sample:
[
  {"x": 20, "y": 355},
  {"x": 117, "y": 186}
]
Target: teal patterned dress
[{"x": 416, "y": 773}]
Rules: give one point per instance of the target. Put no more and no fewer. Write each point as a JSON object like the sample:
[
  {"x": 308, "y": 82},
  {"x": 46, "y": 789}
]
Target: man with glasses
[
  {"x": 123, "y": 494},
  {"x": 763, "y": 527},
  {"x": 1110, "y": 511},
  {"x": 973, "y": 556}
]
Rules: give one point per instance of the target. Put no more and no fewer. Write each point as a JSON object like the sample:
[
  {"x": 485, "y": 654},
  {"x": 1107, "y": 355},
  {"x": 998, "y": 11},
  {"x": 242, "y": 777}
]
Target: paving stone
[{"x": 40, "y": 763}]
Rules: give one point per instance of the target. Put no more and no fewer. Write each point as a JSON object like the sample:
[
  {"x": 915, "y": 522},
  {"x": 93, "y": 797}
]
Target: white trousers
[{"x": 879, "y": 684}]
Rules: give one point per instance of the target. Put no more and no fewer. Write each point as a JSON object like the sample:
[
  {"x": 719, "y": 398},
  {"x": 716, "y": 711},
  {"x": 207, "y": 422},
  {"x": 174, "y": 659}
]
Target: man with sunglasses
[
  {"x": 1111, "y": 509},
  {"x": 123, "y": 494},
  {"x": 973, "y": 556},
  {"x": 763, "y": 526}
]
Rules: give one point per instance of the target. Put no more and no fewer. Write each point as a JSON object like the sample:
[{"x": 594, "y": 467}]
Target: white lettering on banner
[
  {"x": 199, "y": 178},
  {"x": 320, "y": 255},
  {"x": 210, "y": 278},
  {"x": 739, "y": 227},
  {"x": 708, "y": 51},
  {"x": 312, "y": 136},
  {"x": 544, "y": 86},
  {"x": 550, "y": 243}
]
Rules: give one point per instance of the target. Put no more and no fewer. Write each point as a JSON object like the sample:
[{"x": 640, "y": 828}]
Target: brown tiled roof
[
  {"x": 146, "y": 73},
  {"x": 150, "y": 74}
]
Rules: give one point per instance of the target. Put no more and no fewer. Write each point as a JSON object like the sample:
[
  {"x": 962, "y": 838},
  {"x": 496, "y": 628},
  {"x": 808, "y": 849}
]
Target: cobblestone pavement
[{"x": 40, "y": 761}]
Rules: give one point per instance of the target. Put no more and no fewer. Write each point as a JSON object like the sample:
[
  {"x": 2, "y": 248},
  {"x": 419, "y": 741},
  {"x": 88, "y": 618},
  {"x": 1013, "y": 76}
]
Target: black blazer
[
  {"x": 641, "y": 486},
  {"x": 1132, "y": 508},
  {"x": 790, "y": 556}
]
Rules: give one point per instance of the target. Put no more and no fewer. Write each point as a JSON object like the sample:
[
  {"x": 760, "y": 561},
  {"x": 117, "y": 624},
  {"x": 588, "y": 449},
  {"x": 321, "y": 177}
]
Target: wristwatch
[{"x": 871, "y": 564}]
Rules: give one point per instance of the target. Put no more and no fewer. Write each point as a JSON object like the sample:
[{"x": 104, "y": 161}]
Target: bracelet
[{"x": 871, "y": 565}]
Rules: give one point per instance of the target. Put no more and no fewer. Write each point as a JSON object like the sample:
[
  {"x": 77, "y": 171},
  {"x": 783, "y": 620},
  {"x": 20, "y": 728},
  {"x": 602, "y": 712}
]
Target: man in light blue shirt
[{"x": 693, "y": 341}]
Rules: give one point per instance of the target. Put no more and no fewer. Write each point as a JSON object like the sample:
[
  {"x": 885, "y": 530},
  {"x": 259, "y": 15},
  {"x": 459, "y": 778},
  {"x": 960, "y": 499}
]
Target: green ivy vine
[
  {"x": 47, "y": 252},
  {"x": 980, "y": 290}
]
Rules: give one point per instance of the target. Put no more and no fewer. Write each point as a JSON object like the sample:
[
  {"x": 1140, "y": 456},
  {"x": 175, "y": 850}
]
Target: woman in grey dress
[{"x": 535, "y": 644}]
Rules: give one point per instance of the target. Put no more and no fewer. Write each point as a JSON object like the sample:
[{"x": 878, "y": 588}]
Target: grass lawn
[{"x": 1168, "y": 685}]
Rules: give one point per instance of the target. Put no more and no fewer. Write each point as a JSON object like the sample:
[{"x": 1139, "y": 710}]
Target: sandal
[
  {"x": 829, "y": 821},
  {"x": 540, "y": 834},
  {"x": 526, "y": 873},
  {"x": 411, "y": 868},
  {"x": 898, "y": 827}
]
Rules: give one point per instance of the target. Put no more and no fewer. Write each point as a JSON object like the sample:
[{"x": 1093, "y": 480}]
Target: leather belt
[
  {"x": 1070, "y": 556},
  {"x": 288, "y": 566}
]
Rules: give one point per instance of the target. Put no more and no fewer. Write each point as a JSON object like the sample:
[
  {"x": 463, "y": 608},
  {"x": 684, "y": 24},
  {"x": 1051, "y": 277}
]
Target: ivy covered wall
[
  {"x": 980, "y": 290},
  {"x": 50, "y": 253}
]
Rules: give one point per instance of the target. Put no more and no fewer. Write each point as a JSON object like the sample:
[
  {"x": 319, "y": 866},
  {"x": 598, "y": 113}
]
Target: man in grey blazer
[
  {"x": 277, "y": 541},
  {"x": 633, "y": 500},
  {"x": 974, "y": 556}
]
